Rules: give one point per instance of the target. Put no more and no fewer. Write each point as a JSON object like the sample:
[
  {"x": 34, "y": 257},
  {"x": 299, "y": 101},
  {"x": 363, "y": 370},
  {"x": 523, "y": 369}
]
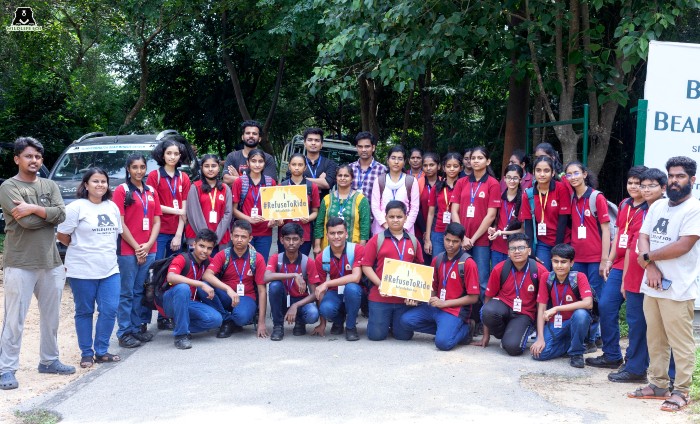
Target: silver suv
[{"x": 339, "y": 150}]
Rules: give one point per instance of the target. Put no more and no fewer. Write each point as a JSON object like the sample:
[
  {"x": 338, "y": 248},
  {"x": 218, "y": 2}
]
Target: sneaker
[
  {"x": 143, "y": 328},
  {"x": 351, "y": 334},
  {"x": 166, "y": 324},
  {"x": 225, "y": 330},
  {"x": 591, "y": 347},
  {"x": 299, "y": 328},
  {"x": 143, "y": 337},
  {"x": 626, "y": 377},
  {"x": 599, "y": 342},
  {"x": 128, "y": 341},
  {"x": 337, "y": 329},
  {"x": 576, "y": 361},
  {"x": 56, "y": 367},
  {"x": 601, "y": 362},
  {"x": 277, "y": 333},
  {"x": 183, "y": 342},
  {"x": 8, "y": 381}
]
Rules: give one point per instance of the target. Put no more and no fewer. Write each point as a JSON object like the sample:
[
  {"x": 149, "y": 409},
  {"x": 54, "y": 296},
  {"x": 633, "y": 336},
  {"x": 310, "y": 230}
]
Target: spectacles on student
[
  {"x": 648, "y": 187},
  {"x": 574, "y": 174},
  {"x": 512, "y": 178},
  {"x": 517, "y": 248}
]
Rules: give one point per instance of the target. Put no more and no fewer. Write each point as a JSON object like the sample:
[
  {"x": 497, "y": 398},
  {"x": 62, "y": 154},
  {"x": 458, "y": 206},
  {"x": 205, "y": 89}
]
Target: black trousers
[{"x": 510, "y": 327}]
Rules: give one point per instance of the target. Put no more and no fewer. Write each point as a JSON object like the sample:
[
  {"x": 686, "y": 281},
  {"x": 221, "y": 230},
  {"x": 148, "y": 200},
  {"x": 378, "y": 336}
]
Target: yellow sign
[
  {"x": 407, "y": 280},
  {"x": 284, "y": 202}
]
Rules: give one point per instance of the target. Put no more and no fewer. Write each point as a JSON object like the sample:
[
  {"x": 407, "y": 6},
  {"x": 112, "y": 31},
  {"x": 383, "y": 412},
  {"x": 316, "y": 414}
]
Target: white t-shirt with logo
[
  {"x": 94, "y": 229},
  {"x": 665, "y": 224}
]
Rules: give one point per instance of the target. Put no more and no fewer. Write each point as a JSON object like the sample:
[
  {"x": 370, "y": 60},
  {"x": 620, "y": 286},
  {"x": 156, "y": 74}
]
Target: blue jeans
[
  {"x": 131, "y": 313},
  {"x": 596, "y": 282},
  {"x": 308, "y": 314},
  {"x": 544, "y": 253},
  {"x": 447, "y": 328},
  {"x": 163, "y": 243},
  {"x": 438, "y": 242},
  {"x": 609, "y": 302},
  {"x": 104, "y": 292},
  {"x": 568, "y": 339},
  {"x": 497, "y": 257},
  {"x": 188, "y": 315},
  {"x": 262, "y": 245},
  {"x": 305, "y": 248},
  {"x": 241, "y": 315},
  {"x": 385, "y": 316},
  {"x": 341, "y": 307},
  {"x": 482, "y": 257},
  {"x": 637, "y": 353}
]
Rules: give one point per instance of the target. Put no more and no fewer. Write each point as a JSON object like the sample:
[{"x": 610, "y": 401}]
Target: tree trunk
[
  {"x": 364, "y": 102},
  {"x": 266, "y": 144},
  {"x": 424, "y": 82},
  {"x": 233, "y": 73},
  {"x": 407, "y": 115},
  {"x": 143, "y": 86}
]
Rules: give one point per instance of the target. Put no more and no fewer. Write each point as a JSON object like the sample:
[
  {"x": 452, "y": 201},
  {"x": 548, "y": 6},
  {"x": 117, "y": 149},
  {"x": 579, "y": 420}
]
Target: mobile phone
[{"x": 665, "y": 284}]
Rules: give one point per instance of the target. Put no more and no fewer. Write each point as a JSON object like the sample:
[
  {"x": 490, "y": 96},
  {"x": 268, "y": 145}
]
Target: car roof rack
[
  {"x": 165, "y": 133},
  {"x": 90, "y": 135}
]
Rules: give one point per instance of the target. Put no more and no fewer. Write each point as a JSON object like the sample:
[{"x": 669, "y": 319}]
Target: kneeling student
[
  {"x": 339, "y": 297},
  {"x": 179, "y": 300},
  {"x": 510, "y": 305},
  {"x": 297, "y": 282},
  {"x": 455, "y": 289},
  {"x": 239, "y": 270},
  {"x": 564, "y": 300}
]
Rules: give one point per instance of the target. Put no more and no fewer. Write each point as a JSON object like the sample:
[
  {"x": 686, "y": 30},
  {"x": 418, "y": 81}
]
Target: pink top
[{"x": 394, "y": 191}]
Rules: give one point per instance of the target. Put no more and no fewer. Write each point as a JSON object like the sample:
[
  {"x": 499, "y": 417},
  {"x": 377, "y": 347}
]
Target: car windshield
[
  {"x": 74, "y": 164},
  {"x": 339, "y": 156}
]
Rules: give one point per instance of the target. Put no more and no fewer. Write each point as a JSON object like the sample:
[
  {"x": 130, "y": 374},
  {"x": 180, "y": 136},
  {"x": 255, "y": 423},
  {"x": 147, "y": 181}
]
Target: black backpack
[
  {"x": 573, "y": 283},
  {"x": 156, "y": 280},
  {"x": 508, "y": 266}
]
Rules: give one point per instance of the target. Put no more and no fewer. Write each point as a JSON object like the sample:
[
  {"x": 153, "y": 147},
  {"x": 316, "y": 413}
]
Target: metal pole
[{"x": 585, "y": 135}]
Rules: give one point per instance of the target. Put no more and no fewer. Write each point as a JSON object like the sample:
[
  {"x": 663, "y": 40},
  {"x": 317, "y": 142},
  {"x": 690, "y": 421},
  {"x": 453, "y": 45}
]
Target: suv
[{"x": 339, "y": 150}]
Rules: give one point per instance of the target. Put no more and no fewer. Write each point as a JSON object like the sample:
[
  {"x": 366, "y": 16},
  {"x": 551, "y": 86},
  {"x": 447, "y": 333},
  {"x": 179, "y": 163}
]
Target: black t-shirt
[
  {"x": 316, "y": 168},
  {"x": 240, "y": 163}
]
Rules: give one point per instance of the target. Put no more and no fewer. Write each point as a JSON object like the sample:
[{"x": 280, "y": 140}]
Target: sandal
[
  {"x": 87, "y": 361},
  {"x": 650, "y": 392},
  {"x": 107, "y": 357},
  {"x": 677, "y": 402}
]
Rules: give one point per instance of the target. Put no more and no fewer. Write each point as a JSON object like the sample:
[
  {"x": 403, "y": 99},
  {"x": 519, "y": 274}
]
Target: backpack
[
  {"x": 465, "y": 312},
  {"x": 573, "y": 282},
  {"x": 612, "y": 212},
  {"x": 245, "y": 187},
  {"x": 531, "y": 200},
  {"x": 156, "y": 280},
  {"x": 326, "y": 256},
  {"x": 252, "y": 256},
  {"x": 304, "y": 260},
  {"x": 381, "y": 180},
  {"x": 508, "y": 266},
  {"x": 381, "y": 237},
  {"x": 127, "y": 193}
]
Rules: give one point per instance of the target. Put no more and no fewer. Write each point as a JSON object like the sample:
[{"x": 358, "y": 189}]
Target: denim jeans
[
  {"x": 596, "y": 282},
  {"x": 447, "y": 328},
  {"x": 497, "y": 258},
  {"x": 87, "y": 292},
  {"x": 241, "y": 315},
  {"x": 308, "y": 314},
  {"x": 569, "y": 339},
  {"x": 131, "y": 313},
  {"x": 188, "y": 315},
  {"x": 482, "y": 257},
  {"x": 637, "y": 353},
  {"x": 385, "y": 316},
  {"x": 510, "y": 327},
  {"x": 305, "y": 248},
  {"x": 438, "y": 242},
  {"x": 544, "y": 253},
  {"x": 262, "y": 245},
  {"x": 332, "y": 309},
  {"x": 609, "y": 302},
  {"x": 163, "y": 243}
]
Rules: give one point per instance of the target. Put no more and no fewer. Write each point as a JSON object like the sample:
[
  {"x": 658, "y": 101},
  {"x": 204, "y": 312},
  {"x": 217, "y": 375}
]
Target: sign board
[
  {"x": 284, "y": 202},
  {"x": 406, "y": 280}
]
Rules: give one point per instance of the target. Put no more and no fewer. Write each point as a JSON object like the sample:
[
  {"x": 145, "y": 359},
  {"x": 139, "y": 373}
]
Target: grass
[
  {"x": 38, "y": 416},
  {"x": 695, "y": 390},
  {"x": 2, "y": 242},
  {"x": 624, "y": 328}
]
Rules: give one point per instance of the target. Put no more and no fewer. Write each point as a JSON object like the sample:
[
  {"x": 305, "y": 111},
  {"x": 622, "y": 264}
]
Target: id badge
[
  {"x": 446, "y": 217},
  {"x": 254, "y": 212},
  {"x": 341, "y": 289},
  {"x": 541, "y": 229},
  {"x": 470, "y": 211},
  {"x": 296, "y": 219},
  {"x": 176, "y": 204},
  {"x": 582, "y": 233},
  {"x": 443, "y": 294},
  {"x": 146, "y": 225},
  {"x": 623, "y": 241},
  {"x": 289, "y": 301},
  {"x": 557, "y": 321},
  {"x": 212, "y": 217},
  {"x": 517, "y": 304},
  {"x": 240, "y": 289}
]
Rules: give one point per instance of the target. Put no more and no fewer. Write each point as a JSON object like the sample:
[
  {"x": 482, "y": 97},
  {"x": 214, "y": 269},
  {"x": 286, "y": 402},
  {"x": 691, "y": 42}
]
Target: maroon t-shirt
[
  {"x": 339, "y": 267},
  {"x": 482, "y": 194},
  {"x": 562, "y": 294},
  {"x": 447, "y": 277},
  {"x": 240, "y": 264},
  {"x": 527, "y": 289},
  {"x": 289, "y": 284}
]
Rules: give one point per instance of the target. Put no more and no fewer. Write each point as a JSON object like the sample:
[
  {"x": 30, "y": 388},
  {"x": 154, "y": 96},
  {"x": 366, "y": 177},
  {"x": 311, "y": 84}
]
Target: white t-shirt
[
  {"x": 94, "y": 229},
  {"x": 664, "y": 225}
]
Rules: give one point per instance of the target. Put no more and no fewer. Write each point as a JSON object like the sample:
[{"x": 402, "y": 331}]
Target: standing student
[
  {"x": 455, "y": 289},
  {"x": 396, "y": 243},
  {"x": 551, "y": 212},
  {"x": 395, "y": 186},
  {"x": 172, "y": 187},
  {"x": 91, "y": 232},
  {"x": 546, "y": 149},
  {"x": 237, "y": 162},
  {"x": 427, "y": 182},
  {"x": 247, "y": 204},
  {"x": 520, "y": 158},
  {"x": 439, "y": 205},
  {"x": 140, "y": 212},
  {"x": 319, "y": 169},
  {"x": 507, "y": 222},
  {"x": 475, "y": 201},
  {"x": 366, "y": 169},
  {"x": 297, "y": 165},
  {"x": 466, "y": 163},
  {"x": 629, "y": 220},
  {"x": 348, "y": 204}
]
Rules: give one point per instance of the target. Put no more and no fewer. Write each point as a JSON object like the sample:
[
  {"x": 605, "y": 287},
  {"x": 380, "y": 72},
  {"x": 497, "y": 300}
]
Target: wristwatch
[{"x": 646, "y": 257}]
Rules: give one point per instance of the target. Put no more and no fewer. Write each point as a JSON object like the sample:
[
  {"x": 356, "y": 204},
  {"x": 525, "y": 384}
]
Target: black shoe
[
  {"x": 576, "y": 361},
  {"x": 225, "y": 331},
  {"x": 143, "y": 337},
  {"x": 599, "y": 342},
  {"x": 128, "y": 341},
  {"x": 626, "y": 377},
  {"x": 591, "y": 347},
  {"x": 601, "y": 362},
  {"x": 277, "y": 333},
  {"x": 183, "y": 342},
  {"x": 299, "y": 328},
  {"x": 337, "y": 329},
  {"x": 166, "y": 324},
  {"x": 237, "y": 328},
  {"x": 143, "y": 328},
  {"x": 351, "y": 334}
]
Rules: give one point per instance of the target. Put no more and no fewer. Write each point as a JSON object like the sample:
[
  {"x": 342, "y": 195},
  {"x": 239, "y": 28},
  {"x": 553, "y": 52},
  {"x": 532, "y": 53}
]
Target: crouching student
[
  {"x": 293, "y": 279},
  {"x": 180, "y": 298},
  {"x": 237, "y": 276},
  {"x": 564, "y": 299},
  {"x": 455, "y": 289},
  {"x": 510, "y": 306},
  {"x": 339, "y": 272},
  {"x": 396, "y": 243}
]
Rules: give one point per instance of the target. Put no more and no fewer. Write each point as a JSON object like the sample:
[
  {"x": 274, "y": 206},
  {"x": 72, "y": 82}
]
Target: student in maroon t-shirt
[
  {"x": 297, "y": 166},
  {"x": 510, "y": 306},
  {"x": 507, "y": 222},
  {"x": 563, "y": 315}
]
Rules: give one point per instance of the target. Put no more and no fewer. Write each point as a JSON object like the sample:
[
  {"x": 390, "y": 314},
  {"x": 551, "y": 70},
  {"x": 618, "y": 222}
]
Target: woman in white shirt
[
  {"x": 90, "y": 231},
  {"x": 395, "y": 185}
]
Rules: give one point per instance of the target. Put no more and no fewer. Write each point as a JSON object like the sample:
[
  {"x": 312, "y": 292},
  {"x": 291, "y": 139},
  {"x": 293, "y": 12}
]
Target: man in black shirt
[
  {"x": 319, "y": 169},
  {"x": 237, "y": 162}
]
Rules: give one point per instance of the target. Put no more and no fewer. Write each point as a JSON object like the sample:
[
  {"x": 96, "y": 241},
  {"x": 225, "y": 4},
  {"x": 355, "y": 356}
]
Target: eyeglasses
[
  {"x": 512, "y": 178},
  {"x": 648, "y": 187},
  {"x": 573, "y": 174},
  {"x": 517, "y": 248}
]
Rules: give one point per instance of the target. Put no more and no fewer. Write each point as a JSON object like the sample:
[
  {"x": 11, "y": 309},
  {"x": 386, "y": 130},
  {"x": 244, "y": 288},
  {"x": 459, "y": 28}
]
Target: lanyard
[
  {"x": 429, "y": 187},
  {"x": 173, "y": 188},
  {"x": 194, "y": 270},
  {"x": 341, "y": 268},
  {"x": 515, "y": 280},
  {"x": 313, "y": 171},
  {"x": 628, "y": 219},
  {"x": 364, "y": 175},
  {"x": 420, "y": 173},
  {"x": 396, "y": 245},
  {"x": 291, "y": 280},
  {"x": 580, "y": 213},
  {"x": 543, "y": 206},
  {"x": 144, "y": 204},
  {"x": 446, "y": 275},
  {"x": 472, "y": 192},
  {"x": 213, "y": 199},
  {"x": 395, "y": 190},
  {"x": 240, "y": 273},
  {"x": 256, "y": 196},
  {"x": 342, "y": 203},
  {"x": 447, "y": 201},
  {"x": 509, "y": 214},
  {"x": 556, "y": 292}
]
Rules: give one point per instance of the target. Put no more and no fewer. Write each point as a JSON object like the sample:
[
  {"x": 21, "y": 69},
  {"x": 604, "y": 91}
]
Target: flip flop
[
  {"x": 656, "y": 393},
  {"x": 673, "y": 404},
  {"x": 87, "y": 361},
  {"x": 107, "y": 357}
]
